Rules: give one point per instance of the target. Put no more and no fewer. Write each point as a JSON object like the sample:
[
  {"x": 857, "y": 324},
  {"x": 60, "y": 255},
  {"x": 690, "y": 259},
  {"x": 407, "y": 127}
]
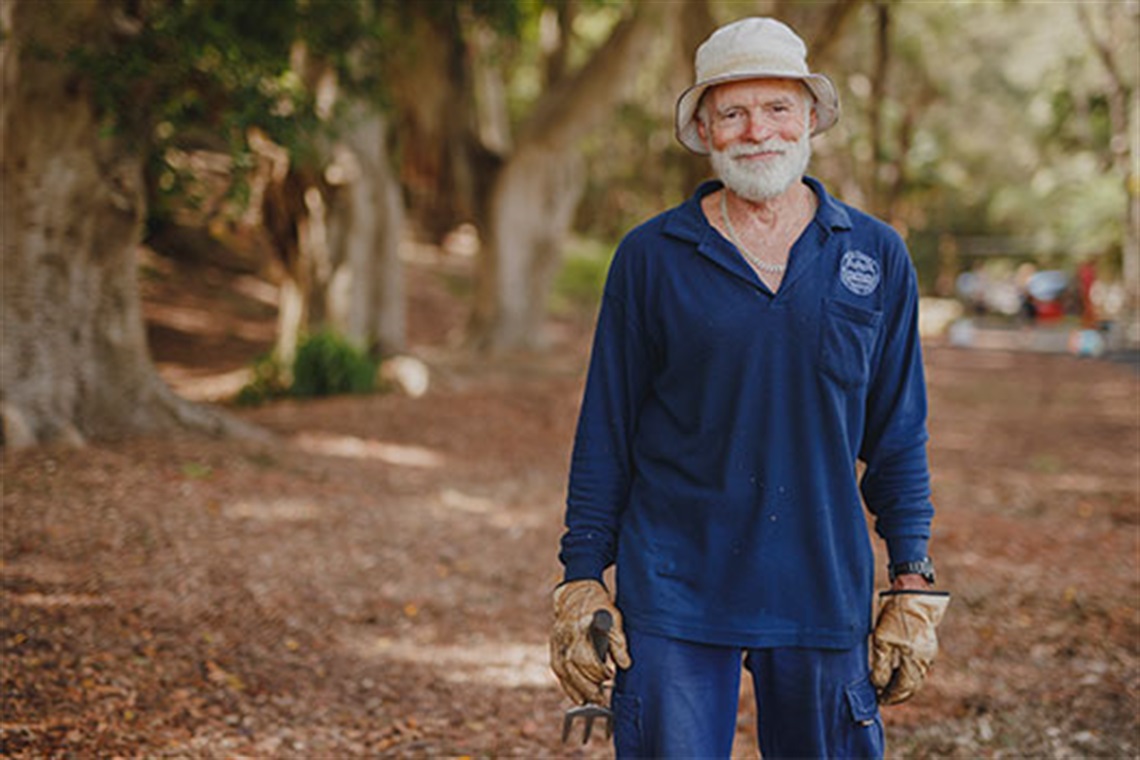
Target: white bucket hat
[{"x": 752, "y": 48}]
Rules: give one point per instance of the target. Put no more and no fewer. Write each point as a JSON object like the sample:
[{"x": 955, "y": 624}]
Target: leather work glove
[
  {"x": 572, "y": 656},
  {"x": 904, "y": 642}
]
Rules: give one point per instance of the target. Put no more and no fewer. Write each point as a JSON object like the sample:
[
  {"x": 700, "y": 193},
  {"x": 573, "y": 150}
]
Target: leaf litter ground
[{"x": 375, "y": 582}]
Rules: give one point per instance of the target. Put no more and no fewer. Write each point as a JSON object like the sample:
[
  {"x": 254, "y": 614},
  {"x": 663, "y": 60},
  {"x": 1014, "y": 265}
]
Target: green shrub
[
  {"x": 269, "y": 382},
  {"x": 327, "y": 365}
]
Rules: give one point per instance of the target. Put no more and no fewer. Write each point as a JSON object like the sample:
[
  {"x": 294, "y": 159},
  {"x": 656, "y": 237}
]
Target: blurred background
[
  {"x": 318, "y": 144},
  {"x": 360, "y": 244}
]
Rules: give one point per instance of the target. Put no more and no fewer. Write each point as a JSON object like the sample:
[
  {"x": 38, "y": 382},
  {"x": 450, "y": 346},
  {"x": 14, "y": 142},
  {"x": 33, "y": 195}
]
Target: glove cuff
[
  {"x": 584, "y": 588},
  {"x": 912, "y": 592}
]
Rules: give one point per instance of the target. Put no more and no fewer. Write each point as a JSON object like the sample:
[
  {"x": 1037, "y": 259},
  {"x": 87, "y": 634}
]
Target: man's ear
[{"x": 703, "y": 132}]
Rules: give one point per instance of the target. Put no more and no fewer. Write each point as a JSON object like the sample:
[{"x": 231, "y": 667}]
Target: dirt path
[{"x": 376, "y": 583}]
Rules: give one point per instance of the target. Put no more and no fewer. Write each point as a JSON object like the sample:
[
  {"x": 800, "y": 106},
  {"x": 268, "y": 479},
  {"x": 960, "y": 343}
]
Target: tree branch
[
  {"x": 577, "y": 104},
  {"x": 1102, "y": 47},
  {"x": 1119, "y": 90},
  {"x": 827, "y": 36}
]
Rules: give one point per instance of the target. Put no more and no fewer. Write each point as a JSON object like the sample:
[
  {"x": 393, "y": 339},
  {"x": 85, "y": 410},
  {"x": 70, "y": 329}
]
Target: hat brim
[{"x": 820, "y": 86}]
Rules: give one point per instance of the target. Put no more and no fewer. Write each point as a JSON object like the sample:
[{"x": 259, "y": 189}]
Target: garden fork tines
[{"x": 589, "y": 712}]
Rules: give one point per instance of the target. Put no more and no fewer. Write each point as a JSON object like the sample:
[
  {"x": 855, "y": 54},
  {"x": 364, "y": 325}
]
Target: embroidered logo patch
[{"x": 859, "y": 273}]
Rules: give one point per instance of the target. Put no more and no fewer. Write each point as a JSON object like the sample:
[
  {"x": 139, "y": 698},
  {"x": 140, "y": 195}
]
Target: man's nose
[{"x": 759, "y": 129}]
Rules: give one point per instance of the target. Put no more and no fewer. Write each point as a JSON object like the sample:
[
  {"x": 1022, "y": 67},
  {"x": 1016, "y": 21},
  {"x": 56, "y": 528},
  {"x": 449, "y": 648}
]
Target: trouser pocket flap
[{"x": 862, "y": 702}]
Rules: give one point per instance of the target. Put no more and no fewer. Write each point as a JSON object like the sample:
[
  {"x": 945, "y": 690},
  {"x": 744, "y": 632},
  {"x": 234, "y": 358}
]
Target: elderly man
[{"x": 753, "y": 344}]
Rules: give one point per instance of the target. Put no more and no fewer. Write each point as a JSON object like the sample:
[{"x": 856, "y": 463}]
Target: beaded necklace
[{"x": 763, "y": 266}]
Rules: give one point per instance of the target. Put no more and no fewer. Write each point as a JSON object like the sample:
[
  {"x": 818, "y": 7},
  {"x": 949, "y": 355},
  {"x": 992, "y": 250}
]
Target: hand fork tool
[{"x": 600, "y": 627}]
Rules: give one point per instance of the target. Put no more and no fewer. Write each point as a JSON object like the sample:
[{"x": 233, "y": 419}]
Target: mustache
[{"x": 771, "y": 145}]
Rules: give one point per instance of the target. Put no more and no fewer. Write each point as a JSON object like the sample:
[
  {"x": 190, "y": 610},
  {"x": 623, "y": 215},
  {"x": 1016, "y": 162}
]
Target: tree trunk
[
  {"x": 696, "y": 24},
  {"x": 366, "y": 216},
  {"x": 336, "y": 230},
  {"x": 534, "y": 195},
  {"x": 1124, "y": 114},
  {"x": 877, "y": 106},
  {"x": 74, "y": 363},
  {"x": 533, "y": 205},
  {"x": 285, "y": 216},
  {"x": 821, "y": 25},
  {"x": 431, "y": 85}
]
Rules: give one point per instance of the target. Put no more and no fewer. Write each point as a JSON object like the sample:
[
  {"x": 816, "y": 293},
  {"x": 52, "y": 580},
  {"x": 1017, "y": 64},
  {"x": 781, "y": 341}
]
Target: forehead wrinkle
[{"x": 762, "y": 92}]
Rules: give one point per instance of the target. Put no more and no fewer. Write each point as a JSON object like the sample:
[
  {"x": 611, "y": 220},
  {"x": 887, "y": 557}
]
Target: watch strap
[{"x": 923, "y": 567}]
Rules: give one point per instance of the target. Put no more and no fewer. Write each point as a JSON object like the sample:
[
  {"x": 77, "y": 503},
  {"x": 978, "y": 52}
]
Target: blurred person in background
[
  {"x": 1086, "y": 279},
  {"x": 753, "y": 343}
]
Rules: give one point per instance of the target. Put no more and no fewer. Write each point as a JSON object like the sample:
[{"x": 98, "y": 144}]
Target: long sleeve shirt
[{"x": 715, "y": 460}]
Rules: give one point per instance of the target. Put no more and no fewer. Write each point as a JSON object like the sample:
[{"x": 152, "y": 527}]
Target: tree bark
[
  {"x": 74, "y": 363},
  {"x": 337, "y": 234},
  {"x": 532, "y": 207},
  {"x": 534, "y": 195},
  {"x": 1124, "y": 113},
  {"x": 879, "y": 94},
  {"x": 696, "y": 24},
  {"x": 285, "y": 216},
  {"x": 436, "y": 117},
  {"x": 366, "y": 291},
  {"x": 820, "y": 24}
]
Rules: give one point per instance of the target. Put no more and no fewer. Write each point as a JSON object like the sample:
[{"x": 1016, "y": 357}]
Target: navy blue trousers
[{"x": 679, "y": 700}]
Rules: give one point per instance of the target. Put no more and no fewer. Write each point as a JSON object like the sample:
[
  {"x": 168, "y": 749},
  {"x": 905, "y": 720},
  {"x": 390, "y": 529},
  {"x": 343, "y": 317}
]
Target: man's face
[{"x": 758, "y": 133}]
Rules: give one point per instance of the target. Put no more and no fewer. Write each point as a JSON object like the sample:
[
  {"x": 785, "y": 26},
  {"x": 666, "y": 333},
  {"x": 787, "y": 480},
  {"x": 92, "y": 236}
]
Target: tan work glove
[
  {"x": 572, "y": 656},
  {"x": 905, "y": 642}
]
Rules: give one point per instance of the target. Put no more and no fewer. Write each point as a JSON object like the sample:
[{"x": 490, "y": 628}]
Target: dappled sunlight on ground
[
  {"x": 273, "y": 510},
  {"x": 492, "y": 512},
  {"x": 208, "y": 388},
  {"x": 401, "y": 455},
  {"x": 504, "y": 664}
]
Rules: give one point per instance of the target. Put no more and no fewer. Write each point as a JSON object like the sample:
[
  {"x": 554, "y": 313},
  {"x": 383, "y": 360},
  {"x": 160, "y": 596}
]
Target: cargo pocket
[
  {"x": 847, "y": 342},
  {"x": 865, "y": 738},
  {"x": 628, "y": 741}
]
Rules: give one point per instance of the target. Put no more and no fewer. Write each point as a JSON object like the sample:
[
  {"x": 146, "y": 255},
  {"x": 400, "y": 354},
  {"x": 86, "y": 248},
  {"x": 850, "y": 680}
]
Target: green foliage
[
  {"x": 203, "y": 73},
  {"x": 506, "y": 18},
  {"x": 269, "y": 381},
  {"x": 208, "y": 63},
  {"x": 328, "y": 365},
  {"x": 583, "y": 275}
]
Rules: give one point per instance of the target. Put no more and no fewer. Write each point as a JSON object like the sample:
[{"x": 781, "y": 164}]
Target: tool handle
[{"x": 600, "y": 628}]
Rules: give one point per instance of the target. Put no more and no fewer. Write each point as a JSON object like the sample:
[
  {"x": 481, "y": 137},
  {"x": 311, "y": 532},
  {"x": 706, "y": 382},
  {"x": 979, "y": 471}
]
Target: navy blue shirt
[{"x": 715, "y": 456}]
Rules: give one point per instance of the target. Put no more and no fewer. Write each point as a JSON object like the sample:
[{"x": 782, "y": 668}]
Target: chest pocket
[{"x": 847, "y": 341}]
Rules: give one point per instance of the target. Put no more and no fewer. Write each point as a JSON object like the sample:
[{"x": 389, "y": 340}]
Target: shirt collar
[{"x": 688, "y": 222}]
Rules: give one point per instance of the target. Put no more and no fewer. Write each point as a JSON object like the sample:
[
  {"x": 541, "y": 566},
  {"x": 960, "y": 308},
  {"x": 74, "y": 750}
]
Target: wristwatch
[{"x": 923, "y": 567}]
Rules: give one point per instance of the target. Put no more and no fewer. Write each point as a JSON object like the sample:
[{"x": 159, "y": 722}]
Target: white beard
[{"x": 768, "y": 179}]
